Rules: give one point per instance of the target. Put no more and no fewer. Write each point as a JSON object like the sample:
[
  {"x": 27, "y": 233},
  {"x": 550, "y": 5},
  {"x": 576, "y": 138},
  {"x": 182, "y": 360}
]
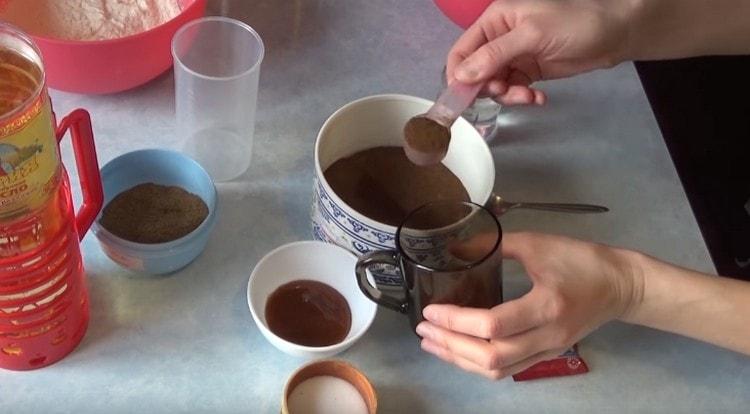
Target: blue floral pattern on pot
[{"x": 332, "y": 224}]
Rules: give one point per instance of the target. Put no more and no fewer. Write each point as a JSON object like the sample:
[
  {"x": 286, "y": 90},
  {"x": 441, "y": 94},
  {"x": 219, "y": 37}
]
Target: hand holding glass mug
[
  {"x": 578, "y": 286},
  {"x": 439, "y": 260}
]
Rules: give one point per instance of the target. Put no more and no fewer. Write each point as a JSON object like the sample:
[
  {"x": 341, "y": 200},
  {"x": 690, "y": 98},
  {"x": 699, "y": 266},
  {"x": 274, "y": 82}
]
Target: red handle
[{"x": 79, "y": 124}]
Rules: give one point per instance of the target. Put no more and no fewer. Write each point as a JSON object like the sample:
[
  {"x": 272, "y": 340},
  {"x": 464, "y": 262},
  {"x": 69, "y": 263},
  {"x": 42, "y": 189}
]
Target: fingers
[
  {"x": 494, "y": 55},
  {"x": 516, "y": 245},
  {"x": 513, "y": 245},
  {"x": 494, "y": 374},
  {"x": 507, "y": 319},
  {"x": 478, "y": 351},
  {"x": 471, "y": 40},
  {"x": 474, "y": 248},
  {"x": 496, "y": 87},
  {"x": 540, "y": 98},
  {"x": 521, "y": 95},
  {"x": 493, "y": 354}
]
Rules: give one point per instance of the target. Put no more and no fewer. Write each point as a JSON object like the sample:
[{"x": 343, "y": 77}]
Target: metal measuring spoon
[
  {"x": 500, "y": 206},
  {"x": 427, "y": 136}
]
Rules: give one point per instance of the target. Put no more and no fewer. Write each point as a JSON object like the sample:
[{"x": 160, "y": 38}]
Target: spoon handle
[
  {"x": 562, "y": 207},
  {"x": 453, "y": 101}
]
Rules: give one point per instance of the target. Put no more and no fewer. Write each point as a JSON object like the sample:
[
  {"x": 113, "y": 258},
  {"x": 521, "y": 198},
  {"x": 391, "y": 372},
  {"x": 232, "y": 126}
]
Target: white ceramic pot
[{"x": 377, "y": 121}]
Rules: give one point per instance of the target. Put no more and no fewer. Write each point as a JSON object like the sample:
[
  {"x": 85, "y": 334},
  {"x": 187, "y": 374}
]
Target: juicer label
[{"x": 29, "y": 159}]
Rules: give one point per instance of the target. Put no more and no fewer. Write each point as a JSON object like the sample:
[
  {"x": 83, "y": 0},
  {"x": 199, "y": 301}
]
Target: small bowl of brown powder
[{"x": 159, "y": 208}]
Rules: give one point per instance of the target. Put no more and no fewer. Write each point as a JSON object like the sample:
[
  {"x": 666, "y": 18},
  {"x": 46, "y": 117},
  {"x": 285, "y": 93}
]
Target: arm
[
  {"x": 669, "y": 29},
  {"x": 708, "y": 308},
  {"x": 577, "y": 287},
  {"x": 515, "y": 43}
]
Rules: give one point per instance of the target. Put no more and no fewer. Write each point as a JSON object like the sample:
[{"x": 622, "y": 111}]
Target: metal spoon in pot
[{"x": 500, "y": 206}]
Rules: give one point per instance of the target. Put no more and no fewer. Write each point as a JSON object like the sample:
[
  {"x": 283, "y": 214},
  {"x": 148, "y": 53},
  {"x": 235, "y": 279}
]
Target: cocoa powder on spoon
[{"x": 428, "y": 139}]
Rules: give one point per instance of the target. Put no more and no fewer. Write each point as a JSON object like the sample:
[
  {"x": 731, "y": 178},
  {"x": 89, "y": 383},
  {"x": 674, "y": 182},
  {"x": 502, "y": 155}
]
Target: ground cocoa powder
[
  {"x": 151, "y": 213},
  {"x": 425, "y": 135},
  {"x": 384, "y": 185}
]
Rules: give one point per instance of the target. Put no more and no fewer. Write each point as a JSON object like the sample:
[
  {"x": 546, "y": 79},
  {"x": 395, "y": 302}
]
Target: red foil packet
[{"x": 569, "y": 363}]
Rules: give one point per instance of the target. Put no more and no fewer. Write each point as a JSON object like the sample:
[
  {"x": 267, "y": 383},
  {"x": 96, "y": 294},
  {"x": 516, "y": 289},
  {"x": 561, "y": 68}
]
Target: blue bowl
[{"x": 165, "y": 168}]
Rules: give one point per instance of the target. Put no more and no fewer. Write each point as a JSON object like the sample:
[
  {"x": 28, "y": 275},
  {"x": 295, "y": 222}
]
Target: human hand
[
  {"x": 517, "y": 42},
  {"x": 577, "y": 286}
]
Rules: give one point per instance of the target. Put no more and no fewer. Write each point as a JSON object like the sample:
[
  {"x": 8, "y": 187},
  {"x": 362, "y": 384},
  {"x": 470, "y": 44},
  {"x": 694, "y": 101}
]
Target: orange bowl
[{"x": 113, "y": 65}]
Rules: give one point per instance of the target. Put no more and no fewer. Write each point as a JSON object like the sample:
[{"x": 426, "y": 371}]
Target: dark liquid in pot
[
  {"x": 382, "y": 184},
  {"x": 308, "y": 313}
]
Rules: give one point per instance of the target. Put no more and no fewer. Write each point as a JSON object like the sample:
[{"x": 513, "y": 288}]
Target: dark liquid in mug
[
  {"x": 382, "y": 184},
  {"x": 308, "y": 313},
  {"x": 478, "y": 287}
]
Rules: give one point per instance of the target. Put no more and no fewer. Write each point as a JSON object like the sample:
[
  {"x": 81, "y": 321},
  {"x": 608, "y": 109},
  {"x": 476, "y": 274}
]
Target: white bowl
[{"x": 312, "y": 260}]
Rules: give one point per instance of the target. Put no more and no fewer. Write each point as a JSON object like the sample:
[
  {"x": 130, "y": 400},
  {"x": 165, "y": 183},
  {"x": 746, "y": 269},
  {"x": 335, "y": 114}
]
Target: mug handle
[
  {"x": 79, "y": 124},
  {"x": 389, "y": 257}
]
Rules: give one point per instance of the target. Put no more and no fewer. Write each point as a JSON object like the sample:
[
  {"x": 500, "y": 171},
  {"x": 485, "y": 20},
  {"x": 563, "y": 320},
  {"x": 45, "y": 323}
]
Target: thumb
[{"x": 495, "y": 55}]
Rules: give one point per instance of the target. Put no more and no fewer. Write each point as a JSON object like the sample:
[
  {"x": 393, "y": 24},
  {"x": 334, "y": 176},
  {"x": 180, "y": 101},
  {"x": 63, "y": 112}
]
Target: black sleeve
[{"x": 702, "y": 106}]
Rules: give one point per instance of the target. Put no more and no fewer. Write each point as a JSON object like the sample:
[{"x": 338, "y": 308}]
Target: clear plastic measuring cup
[{"x": 216, "y": 68}]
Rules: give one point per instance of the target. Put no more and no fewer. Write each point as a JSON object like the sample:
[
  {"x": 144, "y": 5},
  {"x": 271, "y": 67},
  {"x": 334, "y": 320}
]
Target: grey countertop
[{"x": 187, "y": 343}]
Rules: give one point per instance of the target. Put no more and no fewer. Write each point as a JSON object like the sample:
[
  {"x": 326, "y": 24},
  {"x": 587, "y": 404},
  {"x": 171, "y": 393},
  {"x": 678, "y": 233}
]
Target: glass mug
[{"x": 448, "y": 252}]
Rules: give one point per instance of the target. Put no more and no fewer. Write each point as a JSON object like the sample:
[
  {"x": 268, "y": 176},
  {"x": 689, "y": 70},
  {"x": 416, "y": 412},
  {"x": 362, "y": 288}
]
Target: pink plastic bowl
[
  {"x": 107, "y": 66},
  {"x": 463, "y": 12}
]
